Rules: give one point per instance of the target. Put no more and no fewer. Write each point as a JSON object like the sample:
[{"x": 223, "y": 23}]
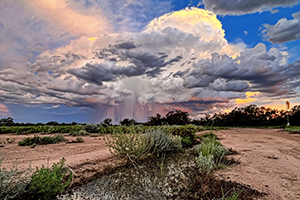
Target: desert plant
[
  {"x": 11, "y": 185},
  {"x": 79, "y": 140},
  {"x": 187, "y": 133},
  {"x": 176, "y": 142},
  {"x": 211, "y": 148},
  {"x": 91, "y": 128},
  {"x": 209, "y": 135},
  {"x": 233, "y": 196},
  {"x": 131, "y": 146},
  {"x": 205, "y": 163},
  {"x": 41, "y": 140},
  {"x": 79, "y": 133},
  {"x": 47, "y": 183},
  {"x": 163, "y": 142}
]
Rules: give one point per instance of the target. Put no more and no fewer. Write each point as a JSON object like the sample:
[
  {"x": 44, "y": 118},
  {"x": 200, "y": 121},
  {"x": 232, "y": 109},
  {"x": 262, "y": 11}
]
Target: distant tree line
[{"x": 243, "y": 116}]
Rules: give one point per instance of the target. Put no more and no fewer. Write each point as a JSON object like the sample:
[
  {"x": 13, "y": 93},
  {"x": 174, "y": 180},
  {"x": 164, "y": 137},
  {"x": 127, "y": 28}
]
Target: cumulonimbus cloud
[{"x": 179, "y": 60}]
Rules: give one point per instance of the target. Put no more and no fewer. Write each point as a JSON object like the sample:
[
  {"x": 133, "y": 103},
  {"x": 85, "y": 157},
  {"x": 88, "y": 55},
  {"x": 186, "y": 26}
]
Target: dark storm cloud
[
  {"x": 223, "y": 85},
  {"x": 284, "y": 30},
  {"x": 125, "y": 45},
  {"x": 245, "y": 6},
  {"x": 141, "y": 63},
  {"x": 261, "y": 70},
  {"x": 54, "y": 63}
]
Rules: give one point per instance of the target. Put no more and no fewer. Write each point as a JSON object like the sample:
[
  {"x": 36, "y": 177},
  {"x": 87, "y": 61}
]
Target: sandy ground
[
  {"x": 270, "y": 158},
  {"x": 270, "y": 161},
  {"x": 85, "y": 159}
]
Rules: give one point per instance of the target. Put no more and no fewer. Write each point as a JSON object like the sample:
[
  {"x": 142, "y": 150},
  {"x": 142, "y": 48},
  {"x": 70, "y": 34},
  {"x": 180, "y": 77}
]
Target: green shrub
[
  {"x": 209, "y": 135},
  {"x": 187, "y": 133},
  {"x": 47, "y": 183},
  {"x": 186, "y": 142},
  {"x": 30, "y": 141},
  {"x": 214, "y": 152},
  {"x": 176, "y": 142},
  {"x": 44, "y": 140},
  {"x": 211, "y": 148},
  {"x": 79, "y": 140},
  {"x": 163, "y": 142},
  {"x": 205, "y": 163},
  {"x": 79, "y": 133},
  {"x": 91, "y": 128},
  {"x": 11, "y": 185},
  {"x": 130, "y": 146}
]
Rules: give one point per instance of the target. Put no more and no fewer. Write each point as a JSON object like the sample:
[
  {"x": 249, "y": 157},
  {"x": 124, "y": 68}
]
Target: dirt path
[
  {"x": 270, "y": 161},
  {"x": 85, "y": 159}
]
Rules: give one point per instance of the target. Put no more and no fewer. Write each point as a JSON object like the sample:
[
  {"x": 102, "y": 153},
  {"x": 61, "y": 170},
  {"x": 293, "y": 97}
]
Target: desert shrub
[
  {"x": 47, "y": 183},
  {"x": 209, "y": 135},
  {"x": 11, "y": 185},
  {"x": 210, "y": 147},
  {"x": 163, "y": 142},
  {"x": 91, "y": 128},
  {"x": 132, "y": 146},
  {"x": 205, "y": 163},
  {"x": 186, "y": 142},
  {"x": 29, "y": 141},
  {"x": 187, "y": 133},
  {"x": 200, "y": 128},
  {"x": 294, "y": 129},
  {"x": 79, "y": 140},
  {"x": 176, "y": 142},
  {"x": 79, "y": 133},
  {"x": 41, "y": 140},
  {"x": 212, "y": 152}
]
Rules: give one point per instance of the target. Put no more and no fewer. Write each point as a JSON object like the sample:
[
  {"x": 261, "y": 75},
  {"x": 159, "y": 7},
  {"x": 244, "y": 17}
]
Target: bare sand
[
  {"x": 270, "y": 158},
  {"x": 270, "y": 161},
  {"x": 85, "y": 159}
]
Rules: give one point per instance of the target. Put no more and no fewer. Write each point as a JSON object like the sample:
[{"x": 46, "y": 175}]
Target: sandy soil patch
[
  {"x": 270, "y": 161},
  {"x": 85, "y": 159}
]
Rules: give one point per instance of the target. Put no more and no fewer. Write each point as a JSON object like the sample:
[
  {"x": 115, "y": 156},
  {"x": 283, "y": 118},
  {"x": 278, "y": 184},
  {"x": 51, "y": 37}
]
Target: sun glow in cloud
[
  {"x": 249, "y": 98},
  {"x": 200, "y": 23},
  {"x": 92, "y": 38}
]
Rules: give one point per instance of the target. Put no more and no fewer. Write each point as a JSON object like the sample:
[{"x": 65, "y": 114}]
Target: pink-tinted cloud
[
  {"x": 3, "y": 110},
  {"x": 60, "y": 14}
]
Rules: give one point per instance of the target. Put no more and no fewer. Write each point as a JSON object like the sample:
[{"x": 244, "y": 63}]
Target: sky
[{"x": 87, "y": 60}]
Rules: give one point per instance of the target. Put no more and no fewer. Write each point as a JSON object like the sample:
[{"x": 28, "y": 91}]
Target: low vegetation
[
  {"x": 293, "y": 129},
  {"x": 132, "y": 143},
  {"x": 210, "y": 153},
  {"x": 11, "y": 186},
  {"x": 47, "y": 183},
  {"x": 37, "y": 140},
  {"x": 44, "y": 183},
  {"x": 187, "y": 133},
  {"x": 132, "y": 146}
]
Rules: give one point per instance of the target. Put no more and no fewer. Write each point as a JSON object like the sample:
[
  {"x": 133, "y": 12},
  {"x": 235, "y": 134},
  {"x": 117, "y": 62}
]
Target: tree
[
  {"x": 128, "y": 122},
  {"x": 7, "y": 121},
  {"x": 177, "y": 118},
  {"x": 54, "y": 123},
  {"x": 107, "y": 122}
]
